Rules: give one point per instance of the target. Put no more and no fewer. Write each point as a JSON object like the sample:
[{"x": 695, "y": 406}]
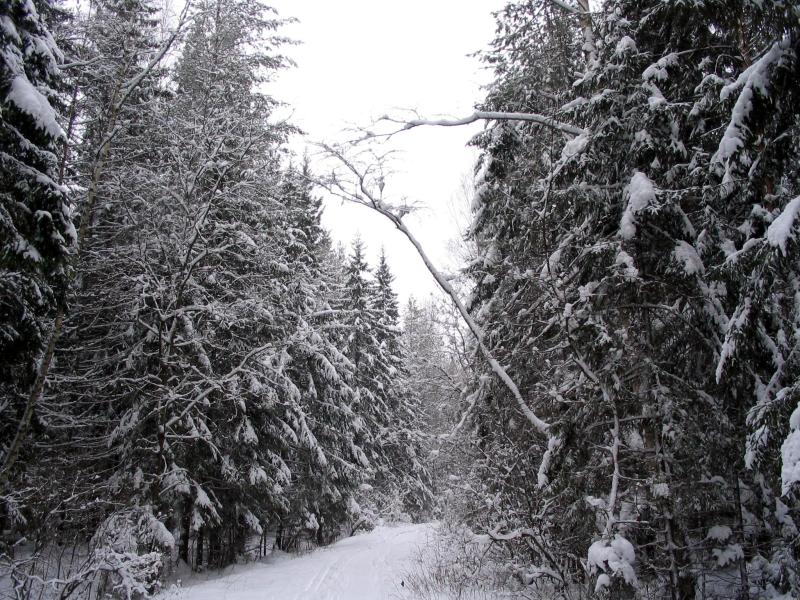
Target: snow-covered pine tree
[
  {"x": 636, "y": 280},
  {"x": 327, "y": 476},
  {"x": 384, "y": 301},
  {"x": 132, "y": 357},
  {"x": 361, "y": 340},
  {"x": 201, "y": 341},
  {"x": 517, "y": 225},
  {"x": 118, "y": 39},
  {"x": 385, "y": 405},
  {"x": 403, "y": 439},
  {"x": 363, "y": 350},
  {"x": 750, "y": 232},
  {"x": 664, "y": 68},
  {"x": 61, "y": 439},
  {"x": 207, "y": 338},
  {"x": 124, "y": 73},
  {"x": 36, "y": 227}
]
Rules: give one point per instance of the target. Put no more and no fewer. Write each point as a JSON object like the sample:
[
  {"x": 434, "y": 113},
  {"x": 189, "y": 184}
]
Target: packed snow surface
[{"x": 364, "y": 567}]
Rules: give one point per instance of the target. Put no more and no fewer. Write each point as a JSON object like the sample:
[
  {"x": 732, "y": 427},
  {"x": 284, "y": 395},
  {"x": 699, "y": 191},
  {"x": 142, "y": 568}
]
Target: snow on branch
[
  {"x": 780, "y": 230},
  {"x": 32, "y": 102},
  {"x": 483, "y": 115},
  {"x": 756, "y": 79},
  {"x": 570, "y": 8}
]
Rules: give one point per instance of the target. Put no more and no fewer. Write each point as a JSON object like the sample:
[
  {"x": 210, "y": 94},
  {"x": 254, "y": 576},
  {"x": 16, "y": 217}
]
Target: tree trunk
[
  {"x": 198, "y": 550},
  {"x": 744, "y": 592},
  {"x": 185, "y": 528},
  {"x": 214, "y": 549}
]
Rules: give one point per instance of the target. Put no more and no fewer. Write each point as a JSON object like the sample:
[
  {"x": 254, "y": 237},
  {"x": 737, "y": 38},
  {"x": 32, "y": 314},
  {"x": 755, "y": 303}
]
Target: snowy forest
[{"x": 603, "y": 403}]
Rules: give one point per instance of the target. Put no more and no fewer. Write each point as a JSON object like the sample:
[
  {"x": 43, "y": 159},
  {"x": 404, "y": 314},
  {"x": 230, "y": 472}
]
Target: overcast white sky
[{"x": 360, "y": 59}]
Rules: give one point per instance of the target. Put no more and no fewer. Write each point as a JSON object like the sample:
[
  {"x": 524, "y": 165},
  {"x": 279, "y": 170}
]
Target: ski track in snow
[{"x": 364, "y": 567}]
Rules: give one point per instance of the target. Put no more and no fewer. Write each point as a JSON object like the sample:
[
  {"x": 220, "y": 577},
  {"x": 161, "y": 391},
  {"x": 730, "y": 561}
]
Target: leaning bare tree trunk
[{"x": 366, "y": 198}]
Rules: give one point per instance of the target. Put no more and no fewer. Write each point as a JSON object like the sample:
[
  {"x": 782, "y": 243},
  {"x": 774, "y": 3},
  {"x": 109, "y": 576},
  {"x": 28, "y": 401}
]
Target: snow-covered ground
[{"x": 364, "y": 567}]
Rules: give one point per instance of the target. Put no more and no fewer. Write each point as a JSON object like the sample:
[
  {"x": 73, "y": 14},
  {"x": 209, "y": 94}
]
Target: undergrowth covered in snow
[{"x": 458, "y": 563}]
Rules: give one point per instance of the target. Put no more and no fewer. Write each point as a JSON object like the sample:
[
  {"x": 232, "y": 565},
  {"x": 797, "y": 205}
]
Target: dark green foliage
[
  {"x": 36, "y": 229},
  {"x": 618, "y": 273}
]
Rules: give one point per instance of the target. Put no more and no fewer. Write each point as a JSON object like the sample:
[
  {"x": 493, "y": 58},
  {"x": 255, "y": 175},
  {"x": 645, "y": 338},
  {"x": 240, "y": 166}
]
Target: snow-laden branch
[
  {"x": 495, "y": 533},
  {"x": 218, "y": 385},
  {"x": 532, "y": 537},
  {"x": 484, "y": 115},
  {"x": 570, "y": 8}
]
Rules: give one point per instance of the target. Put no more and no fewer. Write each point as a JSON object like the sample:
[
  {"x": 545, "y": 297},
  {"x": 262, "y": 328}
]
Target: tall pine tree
[{"x": 36, "y": 228}]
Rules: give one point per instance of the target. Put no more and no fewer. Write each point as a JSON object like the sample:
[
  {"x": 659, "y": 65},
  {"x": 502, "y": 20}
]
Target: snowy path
[{"x": 365, "y": 567}]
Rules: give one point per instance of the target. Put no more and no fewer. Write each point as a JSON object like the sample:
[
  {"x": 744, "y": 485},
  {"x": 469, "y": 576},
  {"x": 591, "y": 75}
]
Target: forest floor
[{"x": 370, "y": 566}]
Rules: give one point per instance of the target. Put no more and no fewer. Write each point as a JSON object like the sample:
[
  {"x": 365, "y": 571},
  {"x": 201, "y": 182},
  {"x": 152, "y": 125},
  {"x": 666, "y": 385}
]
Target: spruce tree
[
  {"x": 363, "y": 351},
  {"x": 326, "y": 477},
  {"x": 403, "y": 440},
  {"x": 606, "y": 285},
  {"x": 139, "y": 359},
  {"x": 202, "y": 320},
  {"x": 36, "y": 226}
]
